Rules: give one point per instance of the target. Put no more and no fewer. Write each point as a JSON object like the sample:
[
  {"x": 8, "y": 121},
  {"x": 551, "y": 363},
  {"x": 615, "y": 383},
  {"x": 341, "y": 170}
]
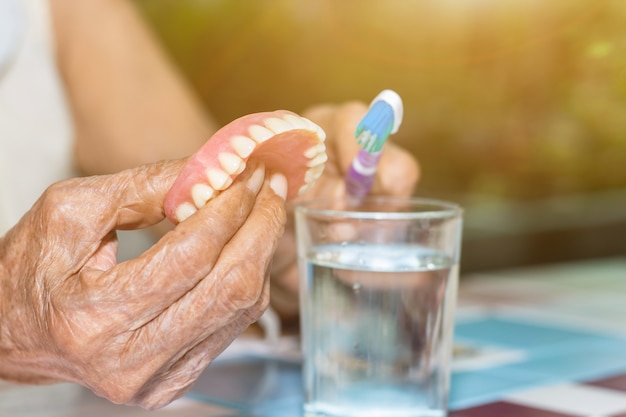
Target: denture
[{"x": 282, "y": 140}]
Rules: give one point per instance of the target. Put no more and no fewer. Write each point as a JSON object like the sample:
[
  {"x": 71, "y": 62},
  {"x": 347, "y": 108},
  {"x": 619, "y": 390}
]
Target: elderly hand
[
  {"x": 397, "y": 175},
  {"x": 141, "y": 331}
]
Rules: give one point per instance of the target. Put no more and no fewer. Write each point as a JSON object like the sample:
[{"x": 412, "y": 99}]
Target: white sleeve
[{"x": 36, "y": 135}]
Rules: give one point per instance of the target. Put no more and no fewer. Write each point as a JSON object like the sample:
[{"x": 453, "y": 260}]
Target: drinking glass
[{"x": 378, "y": 284}]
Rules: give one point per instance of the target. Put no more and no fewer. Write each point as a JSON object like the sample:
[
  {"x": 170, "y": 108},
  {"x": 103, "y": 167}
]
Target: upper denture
[{"x": 282, "y": 140}]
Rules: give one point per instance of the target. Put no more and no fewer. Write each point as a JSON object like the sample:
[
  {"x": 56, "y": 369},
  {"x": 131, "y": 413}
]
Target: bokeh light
[{"x": 507, "y": 101}]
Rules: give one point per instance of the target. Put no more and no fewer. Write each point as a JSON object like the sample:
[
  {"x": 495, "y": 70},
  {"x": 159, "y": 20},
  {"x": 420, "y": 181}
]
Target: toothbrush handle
[{"x": 360, "y": 176}]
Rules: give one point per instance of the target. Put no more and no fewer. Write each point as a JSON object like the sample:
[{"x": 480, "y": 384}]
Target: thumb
[
  {"x": 130, "y": 199},
  {"x": 138, "y": 201}
]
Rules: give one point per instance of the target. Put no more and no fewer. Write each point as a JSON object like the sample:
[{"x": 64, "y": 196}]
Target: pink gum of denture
[{"x": 282, "y": 140}]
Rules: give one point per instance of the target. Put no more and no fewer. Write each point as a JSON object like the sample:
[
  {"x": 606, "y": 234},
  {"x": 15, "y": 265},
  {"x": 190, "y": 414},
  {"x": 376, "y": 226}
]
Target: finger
[
  {"x": 238, "y": 280},
  {"x": 397, "y": 173},
  {"x": 138, "y": 201},
  {"x": 126, "y": 200},
  {"x": 86, "y": 210},
  {"x": 340, "y": 123},
  {"x": 179, "y": 260},
  {"x": 347, "y": 119},
  {"x": 177, "y": 376}
]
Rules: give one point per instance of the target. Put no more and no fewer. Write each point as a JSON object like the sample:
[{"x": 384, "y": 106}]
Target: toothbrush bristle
[{"x": 375, "y": 127}]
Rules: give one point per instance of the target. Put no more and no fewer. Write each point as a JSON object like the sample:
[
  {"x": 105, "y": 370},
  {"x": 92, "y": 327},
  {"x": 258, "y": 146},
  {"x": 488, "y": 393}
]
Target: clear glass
[{"x": 378, "y": 283}]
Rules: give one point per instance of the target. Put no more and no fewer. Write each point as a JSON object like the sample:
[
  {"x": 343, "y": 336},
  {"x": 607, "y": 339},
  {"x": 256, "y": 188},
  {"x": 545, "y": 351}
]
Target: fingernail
[
  {"x": 256, "y": 179},
  {"x": 278, "y": 183}
]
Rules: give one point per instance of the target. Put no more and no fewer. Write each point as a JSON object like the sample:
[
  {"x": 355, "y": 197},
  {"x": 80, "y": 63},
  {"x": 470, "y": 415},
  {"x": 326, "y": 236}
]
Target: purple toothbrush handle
[{"x": 360, "y": 176}]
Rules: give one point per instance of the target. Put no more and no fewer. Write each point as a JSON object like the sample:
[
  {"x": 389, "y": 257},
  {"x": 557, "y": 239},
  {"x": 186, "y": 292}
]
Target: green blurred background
[{"x": 515, "y": 108}]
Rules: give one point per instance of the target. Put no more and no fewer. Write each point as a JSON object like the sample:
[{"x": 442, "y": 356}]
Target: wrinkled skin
[
  {"x": 99, "y": 60},
  {"x": 141, "y": 331},
  {"x": 397, "y": 175}
]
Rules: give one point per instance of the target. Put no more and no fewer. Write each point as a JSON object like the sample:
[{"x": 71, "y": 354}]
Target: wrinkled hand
[
  {"x": 141, "y": 331},
  {"x": 397, "y": 175}
]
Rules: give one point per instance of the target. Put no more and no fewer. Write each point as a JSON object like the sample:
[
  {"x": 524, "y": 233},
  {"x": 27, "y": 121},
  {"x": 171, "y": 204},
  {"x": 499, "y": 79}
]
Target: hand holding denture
[
  {"x": 397, "y": 175},
  {"x": 283, "y": 141},
  {"x": 142, "y": 331}
]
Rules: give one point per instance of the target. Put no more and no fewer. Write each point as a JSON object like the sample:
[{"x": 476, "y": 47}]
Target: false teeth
[
  {"x": 184, "y": 211},
  {"x": 259, "y": 133},
  {"x": 225, "y": 156},
  {"x": 231, "y": 163},
  {"x": 313, "y": 174},
  {"x": 297, "y": 121},
  {"x": 219, "y": 179},
  {"x": 277, "y": 125},
  {"x": 318, "y": 160},
  {"x": 201, "y": 193},
  {"x": 315, "y": 150},
  {"x": 242, "y": 145}
]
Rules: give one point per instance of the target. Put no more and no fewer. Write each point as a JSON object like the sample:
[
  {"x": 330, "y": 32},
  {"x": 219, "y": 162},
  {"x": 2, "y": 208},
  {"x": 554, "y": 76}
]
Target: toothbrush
[{"x": 381, "y": 120}]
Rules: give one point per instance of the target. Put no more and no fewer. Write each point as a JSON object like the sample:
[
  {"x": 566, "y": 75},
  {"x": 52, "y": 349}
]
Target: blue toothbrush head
[
  {"x": 382, "y": 119},
  {"x": 375, "y": 127}
]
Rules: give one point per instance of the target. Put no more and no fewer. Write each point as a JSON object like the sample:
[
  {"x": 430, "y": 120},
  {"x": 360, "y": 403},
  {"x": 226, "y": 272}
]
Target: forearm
[{"x": 129, "y": 104}]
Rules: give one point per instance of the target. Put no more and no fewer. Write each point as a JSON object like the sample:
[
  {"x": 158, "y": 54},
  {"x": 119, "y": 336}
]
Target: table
[{"x": 546, "y": 341}]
